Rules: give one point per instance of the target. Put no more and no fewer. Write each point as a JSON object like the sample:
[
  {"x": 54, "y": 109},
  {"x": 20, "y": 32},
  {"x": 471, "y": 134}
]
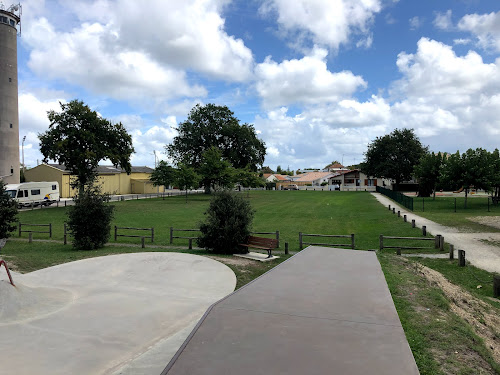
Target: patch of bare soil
[
  {"x": 482, "y": 317},
  {"x": 235, "y": 261},
  {"x": 491, "y": 221}
]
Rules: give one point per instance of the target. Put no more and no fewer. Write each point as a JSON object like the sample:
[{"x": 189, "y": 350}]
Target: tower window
[
  {"x": 10, "y": 79},
  {"x": 12, "y": 23},
  {"x": 11, "y": 170},
  {"x": 11, "y": 126}
]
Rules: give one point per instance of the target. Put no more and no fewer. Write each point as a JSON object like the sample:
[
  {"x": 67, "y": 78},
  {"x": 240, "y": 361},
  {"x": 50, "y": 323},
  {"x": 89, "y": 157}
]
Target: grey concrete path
[
  {"x": 119, "y": 314},
  {"x": 323, "y": 311},
  {"x": 477, "y": 252}
]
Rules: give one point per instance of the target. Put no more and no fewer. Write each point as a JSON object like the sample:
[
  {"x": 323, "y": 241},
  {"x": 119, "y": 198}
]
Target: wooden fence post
[
  {"x": 441, "y": 243},
  {"x": 30, "y": 237},
  {"x": 437, "y": 240},
  {"x": 190, "y": 244},
  {"x": 399, "y": 213},
  {"x": 152, "y": 234},
  {"x": 381, "y": 242},
  {"x": 352, "y": 241},
  {"x": 496, "y": 286},
  {"x": 461, "y": 258},
  {"x": 20, "y": 225},
  {"x": 398, "y": 251},
  {"x": 286, "y": 248},
  {"x": 50, "y": 230},
  {"x": 171, "y": 235},
  {"x": 393, "y": 210},
  {"x": 389, "y": 207},
  {"x": 143, "y": 245},
  {"x": 452, "y": 250},
  {"x": 300, "y": 240},
  {"x": 424, "y": 230},
  {"x": 404, "y": 218},
  {"x": 116, "y": 232},
  {"x": 413, "y": 223}
]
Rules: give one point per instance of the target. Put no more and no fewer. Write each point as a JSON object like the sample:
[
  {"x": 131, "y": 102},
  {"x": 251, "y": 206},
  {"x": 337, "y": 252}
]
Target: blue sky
[{"x": 319, "y": 79}]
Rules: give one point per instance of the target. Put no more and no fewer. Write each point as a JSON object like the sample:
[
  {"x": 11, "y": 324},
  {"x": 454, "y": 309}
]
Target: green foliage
[
  {"x": 266, "y": 169},
  {"x": 79, "y": 138},
  {"x": 324, "y": 183},
  {"x": 163, "y": 174},
  {"x": 228, "y": 223},
  {"x": 8, "y": 212},
  {"x": 394, "y": 155},
  {"x": 89, "y": 220},
  {"x": 186, "y": 178},
  {"x": 248, "y": 178},
  {"x": 216, "y": 126},
  {"x": 215, "y": 171},
  {"x": 428, "y": 172}
]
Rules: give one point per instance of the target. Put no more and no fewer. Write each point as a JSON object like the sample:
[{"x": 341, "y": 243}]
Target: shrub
[
  {"x": 8, "y": 213},
  {"x": 228, "y": 223},
  {"x": 324, "y": 183},
  {"x": 89, "y": 220}
]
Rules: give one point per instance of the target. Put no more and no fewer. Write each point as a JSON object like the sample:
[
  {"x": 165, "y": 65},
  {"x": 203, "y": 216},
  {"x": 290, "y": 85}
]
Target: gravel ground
[{"x": 478, "y": 253}]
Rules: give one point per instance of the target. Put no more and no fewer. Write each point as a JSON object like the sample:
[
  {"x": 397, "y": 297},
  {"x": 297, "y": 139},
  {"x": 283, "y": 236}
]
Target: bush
[
  {"x": 228, "y": 223},
  {"x": 324, "y": 183},
  {"x": 89, "y": 220},
  {"x": 8, "y": 213}
]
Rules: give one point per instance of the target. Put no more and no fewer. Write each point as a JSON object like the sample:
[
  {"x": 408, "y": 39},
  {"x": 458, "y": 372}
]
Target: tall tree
[
  {"x": 80, "y": 138},
  {"x": 186, "y": 178},
  {"x": 215, "y": 171},
  {"x": 471, "y": 169},
  {"x": 428, "y": 172},
  {"x": 216, "y": 126},
  {"x": 394, "y": 155},
  {"x": 163, "y": 174}
]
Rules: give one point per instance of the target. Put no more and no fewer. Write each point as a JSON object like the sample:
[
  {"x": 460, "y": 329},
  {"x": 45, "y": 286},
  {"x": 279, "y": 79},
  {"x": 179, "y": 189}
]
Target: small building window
[
  {"x": 11, "y": 126},
  {"x": 10, "y": 79},
  {"x": 35, "y": 192},
  {"x": 54, "y": 187}
]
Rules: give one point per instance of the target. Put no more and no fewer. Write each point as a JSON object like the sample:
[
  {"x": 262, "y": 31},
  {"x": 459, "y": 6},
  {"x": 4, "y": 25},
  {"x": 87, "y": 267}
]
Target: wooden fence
[
  {"x": 438, "y": 242},
  {"x": 302, "y": 243},
  {"x": 21, "y": 225}
]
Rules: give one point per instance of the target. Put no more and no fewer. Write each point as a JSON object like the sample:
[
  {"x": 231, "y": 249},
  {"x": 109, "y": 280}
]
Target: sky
[{"x": 318, "y": 79}]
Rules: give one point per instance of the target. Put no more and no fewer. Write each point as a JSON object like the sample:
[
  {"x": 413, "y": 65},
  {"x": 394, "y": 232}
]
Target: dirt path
[{"x": 480, "y": 254}]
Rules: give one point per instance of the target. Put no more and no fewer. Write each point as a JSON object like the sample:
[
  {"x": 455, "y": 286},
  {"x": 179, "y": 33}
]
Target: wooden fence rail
[
  {"x": 21, "y": 225},
  {"x": 438, "y": 242},
  {"x": 152, "y": 230},
  {"x": 302, "y": 243}
]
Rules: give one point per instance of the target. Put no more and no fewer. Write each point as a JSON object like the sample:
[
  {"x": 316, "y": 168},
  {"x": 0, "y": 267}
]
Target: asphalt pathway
[
  {"x": 323, "y": 311},
  {"x": 477, "y": 252}
]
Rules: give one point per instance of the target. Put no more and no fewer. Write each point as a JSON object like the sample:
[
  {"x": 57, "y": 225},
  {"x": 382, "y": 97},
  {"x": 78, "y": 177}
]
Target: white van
[{"x": 36, "y": 193}]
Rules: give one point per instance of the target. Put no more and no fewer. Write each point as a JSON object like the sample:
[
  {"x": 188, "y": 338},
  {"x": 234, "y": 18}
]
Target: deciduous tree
[
  {"x": 394, "y": 155},
  {"x": 8, "y": 213}
]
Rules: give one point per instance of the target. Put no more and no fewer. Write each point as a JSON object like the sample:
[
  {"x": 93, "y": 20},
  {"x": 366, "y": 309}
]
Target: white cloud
[
  {"x": 461, "y": 41},
  {"x": 485, "y": 27},
  {"x": 325, "y": 22},
  {"x": 307, "y": 80},
  {"x": 443, "y": 20},
  {"x": 128, "y": 50},
  {"x": 415, "y": 23}
]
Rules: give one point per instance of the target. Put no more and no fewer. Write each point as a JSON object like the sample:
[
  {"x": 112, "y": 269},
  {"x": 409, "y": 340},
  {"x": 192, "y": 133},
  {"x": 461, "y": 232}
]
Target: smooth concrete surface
[
  {"x": 323, "y": 311},
  {"x": 116, "y": 314},
  {"x": 261, "y": 257}
]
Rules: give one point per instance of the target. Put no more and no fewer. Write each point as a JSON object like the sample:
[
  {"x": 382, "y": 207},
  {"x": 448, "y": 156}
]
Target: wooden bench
[{"x": 261, "y": 243}]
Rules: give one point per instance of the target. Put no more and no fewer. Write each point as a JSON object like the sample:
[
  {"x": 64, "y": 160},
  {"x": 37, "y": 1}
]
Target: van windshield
[{"x": 11, "y": 193}]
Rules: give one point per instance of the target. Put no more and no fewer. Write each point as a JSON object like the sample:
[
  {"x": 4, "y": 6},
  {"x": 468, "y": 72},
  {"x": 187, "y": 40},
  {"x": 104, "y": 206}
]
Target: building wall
[
  {"x": 112, "y": 183},
  {"x": 9, "y": 115}
]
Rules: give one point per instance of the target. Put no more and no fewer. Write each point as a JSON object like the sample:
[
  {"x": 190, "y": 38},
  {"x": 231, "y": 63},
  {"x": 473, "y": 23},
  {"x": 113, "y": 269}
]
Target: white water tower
[{"x": 10, "y": 19}]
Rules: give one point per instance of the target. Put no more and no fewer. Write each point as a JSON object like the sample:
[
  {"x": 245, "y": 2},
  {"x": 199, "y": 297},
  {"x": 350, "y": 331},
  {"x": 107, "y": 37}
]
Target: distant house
[
  {"x": 274, "y": 177},
  {"x": 335, "y": 167},
  {"x": 356, "y": 180},
  {"x": 113, "y": 180},
  {"x": 307, "y": 179}
]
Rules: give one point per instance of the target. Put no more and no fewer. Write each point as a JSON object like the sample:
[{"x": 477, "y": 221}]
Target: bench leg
[{"x": 269, "y": 254}]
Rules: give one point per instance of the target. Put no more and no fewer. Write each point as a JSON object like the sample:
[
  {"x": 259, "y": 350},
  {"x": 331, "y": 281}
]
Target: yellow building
[{"x": 112, "y": 180}]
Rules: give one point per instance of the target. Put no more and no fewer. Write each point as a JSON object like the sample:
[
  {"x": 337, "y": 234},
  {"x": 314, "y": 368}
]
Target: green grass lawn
[
  {"x": 290, "y": 212},
  {"x": 442, "y": 210},
  {"x": 434, "y": 333}
]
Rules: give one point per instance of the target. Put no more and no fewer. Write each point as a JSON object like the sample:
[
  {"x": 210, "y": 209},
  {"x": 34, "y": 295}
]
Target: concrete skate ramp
[
  {"x": 323, "y": 311},
  {"x": 99, "y": 315}
]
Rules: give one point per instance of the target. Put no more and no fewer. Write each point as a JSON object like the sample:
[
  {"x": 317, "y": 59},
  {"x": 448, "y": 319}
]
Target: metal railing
[{"x": 397, "y": 196}]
